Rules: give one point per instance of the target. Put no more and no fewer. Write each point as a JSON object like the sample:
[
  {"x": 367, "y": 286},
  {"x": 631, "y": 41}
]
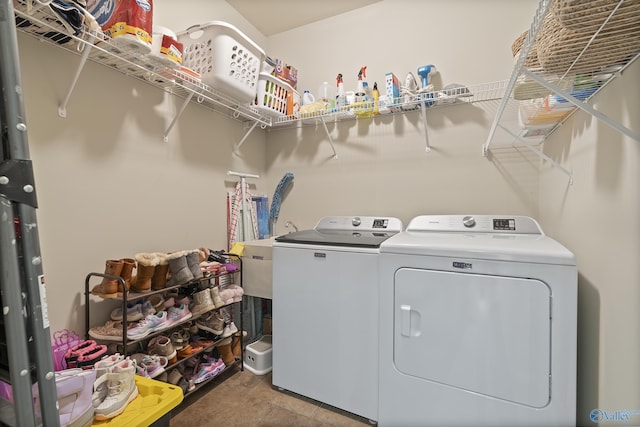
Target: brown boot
[
  {"x": 159, "y": 279},
  {"x": 128, "y": 264},
  {"x": 236, "y": 346},
  {"x": 108, "y": 288},
  {"x": 224, "y": 348},
  {"x": 146, "y": 267}
]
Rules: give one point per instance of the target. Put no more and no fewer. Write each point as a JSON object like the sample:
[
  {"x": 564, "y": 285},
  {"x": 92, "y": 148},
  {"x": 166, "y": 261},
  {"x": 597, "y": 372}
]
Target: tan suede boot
[
  {"x": 146, "y": 267},
  {"x": 128, "y": 264},
  {"x": 108, "y": 288},
  {"x": 236, "y": 346},
  {"x": 159, "y": 279},
  {"x": 224, "y": 348}
]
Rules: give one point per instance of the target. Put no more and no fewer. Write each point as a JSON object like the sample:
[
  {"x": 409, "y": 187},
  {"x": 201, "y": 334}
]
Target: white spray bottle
[{"x": 341, "y": 98}]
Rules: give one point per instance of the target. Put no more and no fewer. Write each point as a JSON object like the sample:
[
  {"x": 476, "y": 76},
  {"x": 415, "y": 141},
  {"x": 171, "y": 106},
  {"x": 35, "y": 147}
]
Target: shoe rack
[
  {"x": 25, "y": 337},
  {"x": 195, "y": 284}
]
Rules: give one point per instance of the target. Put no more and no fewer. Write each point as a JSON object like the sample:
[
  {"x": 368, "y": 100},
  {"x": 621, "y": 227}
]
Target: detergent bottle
[
  {"x": 375, "y": 95},
  {"x": 325, "y": 95},
  {"x": 341, "y": 98}
]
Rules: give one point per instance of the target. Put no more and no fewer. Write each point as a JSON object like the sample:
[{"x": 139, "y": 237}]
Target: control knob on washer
[
  {"x": 469, "y": 221},
  {"x": 356, "y": 221}
]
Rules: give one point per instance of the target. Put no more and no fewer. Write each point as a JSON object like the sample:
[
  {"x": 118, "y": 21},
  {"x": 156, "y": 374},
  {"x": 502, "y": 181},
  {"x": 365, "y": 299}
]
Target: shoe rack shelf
[
  {"x": 199, "y": 283},
  {"x": 100, "y": 49},
  {"x": 571, "y": 51}
]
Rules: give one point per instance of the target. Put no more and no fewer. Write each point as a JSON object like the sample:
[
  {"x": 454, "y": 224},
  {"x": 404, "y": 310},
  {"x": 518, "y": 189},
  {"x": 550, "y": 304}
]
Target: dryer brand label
[
  {"x": 463, "y": 265},
  {"x": 319, "y": 255}
]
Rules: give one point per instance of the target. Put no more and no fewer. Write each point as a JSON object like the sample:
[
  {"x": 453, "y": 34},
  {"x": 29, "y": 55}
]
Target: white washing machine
[
  {"x": 325, "y": 311},
  {"x": 477, "y": 325}
]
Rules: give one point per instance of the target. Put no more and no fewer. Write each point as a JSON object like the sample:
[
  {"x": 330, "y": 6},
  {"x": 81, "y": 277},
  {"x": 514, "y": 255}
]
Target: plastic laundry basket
[
  {"x": 226, "y": 59},
  {"x": 273, "y": 96}
]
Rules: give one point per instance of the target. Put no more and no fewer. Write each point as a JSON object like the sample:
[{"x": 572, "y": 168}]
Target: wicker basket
[
  {"x": 532, "y": 59},
  {"x": 562, "y": 49},
  {"x": 578, "y": 14}
]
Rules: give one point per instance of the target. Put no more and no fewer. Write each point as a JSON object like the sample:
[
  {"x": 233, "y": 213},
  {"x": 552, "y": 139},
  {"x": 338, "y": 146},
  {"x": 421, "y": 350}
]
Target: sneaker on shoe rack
[
  {"x": 151, "y": 323},
  {"x": 174, "y": 377},
  {"x": 229, "y": 329},
  {"x": 202, "y": 302},
  {"x": 121, "y": 390},
  {"x": 134, "y": 312},
  {"x": 110, "y": 331},
  {"x": 179, "y": 339},
  {"x": 211, "y": 323},
  {"x": 208, "y": 371},
  {"x": 177, "y": 314},
  {"x": 154, "y": 365},
  {"x": 148, "y": 308},
  {"x": 164, "y": 377},
  {"x": 162, "y": 346},
  {"x": 183, "y": 383}
]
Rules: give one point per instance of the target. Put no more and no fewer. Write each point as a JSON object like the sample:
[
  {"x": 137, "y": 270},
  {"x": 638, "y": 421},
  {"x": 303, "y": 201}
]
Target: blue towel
[{"x": 283, "y": 185}]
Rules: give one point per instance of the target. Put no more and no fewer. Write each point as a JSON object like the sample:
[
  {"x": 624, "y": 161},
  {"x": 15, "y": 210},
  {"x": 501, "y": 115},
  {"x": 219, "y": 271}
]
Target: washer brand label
[
  {"x": 319, "y": 255},
  {"x": 463, "y": 265}
]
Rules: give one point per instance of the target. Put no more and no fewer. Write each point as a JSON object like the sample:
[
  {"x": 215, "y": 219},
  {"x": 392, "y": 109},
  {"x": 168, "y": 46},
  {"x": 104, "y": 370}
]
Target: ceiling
[{"x": 275, "y": 16}]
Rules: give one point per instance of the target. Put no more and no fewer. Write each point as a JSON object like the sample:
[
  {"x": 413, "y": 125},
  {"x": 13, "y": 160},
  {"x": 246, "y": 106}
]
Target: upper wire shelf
[{"x": 571, "y": 51}]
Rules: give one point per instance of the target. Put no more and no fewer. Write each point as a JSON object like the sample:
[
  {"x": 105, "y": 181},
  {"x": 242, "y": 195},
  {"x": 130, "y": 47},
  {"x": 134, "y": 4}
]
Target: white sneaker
[
  {"x": 103, "y": 367},
  {"x": 151, "y": 323},
  {"x": 121, "y": 387}
]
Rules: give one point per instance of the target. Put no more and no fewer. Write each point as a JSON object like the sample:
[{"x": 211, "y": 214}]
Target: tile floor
[{"x": 242, "y": 399}]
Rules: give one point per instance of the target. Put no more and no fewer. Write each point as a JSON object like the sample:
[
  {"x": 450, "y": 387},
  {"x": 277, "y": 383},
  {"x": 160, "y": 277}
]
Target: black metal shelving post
[{"x": 27, "y": 345}]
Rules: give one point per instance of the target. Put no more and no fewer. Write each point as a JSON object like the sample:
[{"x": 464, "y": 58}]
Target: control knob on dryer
[
  {"x": 469, "y": 221},
  {"x": 356, "y": 221}
]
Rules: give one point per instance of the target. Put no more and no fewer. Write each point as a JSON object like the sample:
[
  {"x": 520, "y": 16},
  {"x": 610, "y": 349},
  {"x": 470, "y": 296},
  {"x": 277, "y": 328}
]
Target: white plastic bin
[{"x": 227, "y": 60}]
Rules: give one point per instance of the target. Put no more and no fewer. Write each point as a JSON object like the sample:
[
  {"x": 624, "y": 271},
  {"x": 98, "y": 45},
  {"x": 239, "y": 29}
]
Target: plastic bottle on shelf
[
  {"x": 341, "y": 98},
  {"x": 361, "y": 96},
  {"x": 375, "y": 95},
  {"x": 308, "y": 98},
  {"x": 325, "y": 95}
]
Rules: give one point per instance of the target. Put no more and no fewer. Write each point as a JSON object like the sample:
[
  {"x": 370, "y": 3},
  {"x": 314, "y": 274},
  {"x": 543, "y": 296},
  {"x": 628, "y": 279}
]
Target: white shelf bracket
[
  {"x": 62, "y": 108},
  {"x": 178, "y": 114},
  {"x": 244, "y": 138},
  {"x": 540, "y": 154},
  {"x": 584, "y": 106},
  {"x": 326, "y": 129},
  {"x": 423, "y": 108}
]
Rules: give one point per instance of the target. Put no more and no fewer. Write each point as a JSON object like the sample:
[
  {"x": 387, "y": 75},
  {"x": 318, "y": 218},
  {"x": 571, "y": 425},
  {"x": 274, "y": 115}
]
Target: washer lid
[{"x": 365, "y": 231}]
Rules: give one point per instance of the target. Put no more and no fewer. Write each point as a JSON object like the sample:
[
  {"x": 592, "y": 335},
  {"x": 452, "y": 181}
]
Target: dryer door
[{"x": 479, "y": 333}]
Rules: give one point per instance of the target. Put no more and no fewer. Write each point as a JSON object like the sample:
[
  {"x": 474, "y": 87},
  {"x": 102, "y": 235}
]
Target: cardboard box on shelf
[
  {"x": 286, "y": 73},
  {"x": 392, "y": 85}
]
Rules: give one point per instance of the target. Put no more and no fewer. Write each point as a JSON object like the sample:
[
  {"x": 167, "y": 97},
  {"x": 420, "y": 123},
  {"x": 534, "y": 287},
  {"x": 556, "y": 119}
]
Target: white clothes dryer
[
  {"x": 325, "y": 311},
  {"x": 477, "y": 324}
]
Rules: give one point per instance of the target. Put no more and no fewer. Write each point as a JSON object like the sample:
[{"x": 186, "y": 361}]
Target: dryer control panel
[{"x": 510, "y": 224}]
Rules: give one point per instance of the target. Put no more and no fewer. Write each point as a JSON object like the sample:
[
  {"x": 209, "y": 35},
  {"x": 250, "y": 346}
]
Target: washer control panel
[{"x": 360, "y": 223}]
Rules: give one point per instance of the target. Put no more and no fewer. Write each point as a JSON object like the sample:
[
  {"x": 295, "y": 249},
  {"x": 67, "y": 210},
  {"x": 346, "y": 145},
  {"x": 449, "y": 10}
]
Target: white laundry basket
[
  {"x": 226, "y": 59},
  {"x": 275, "y": 97}
]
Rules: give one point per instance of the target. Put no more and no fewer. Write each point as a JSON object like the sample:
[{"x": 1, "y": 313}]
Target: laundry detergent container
[{"x": 226, "y": 59}]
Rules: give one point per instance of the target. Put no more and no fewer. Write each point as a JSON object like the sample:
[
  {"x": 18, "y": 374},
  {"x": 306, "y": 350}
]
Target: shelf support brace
[
  {"x": 62, "y": 108},
  {"x": 326, "y": 129},
  {"x": 244, "y": 138},
  {"x": 423, "y": 108},
  {"x": 540, "y": 154},
  {"x": 584, "y": 106},
  {"x": 175, "y": 119}
]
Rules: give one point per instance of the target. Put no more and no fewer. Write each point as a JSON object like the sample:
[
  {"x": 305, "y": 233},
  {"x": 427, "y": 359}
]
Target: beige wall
[
  {"x": 109, "y": 187},
  {"x": 597, "y": 218}
]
